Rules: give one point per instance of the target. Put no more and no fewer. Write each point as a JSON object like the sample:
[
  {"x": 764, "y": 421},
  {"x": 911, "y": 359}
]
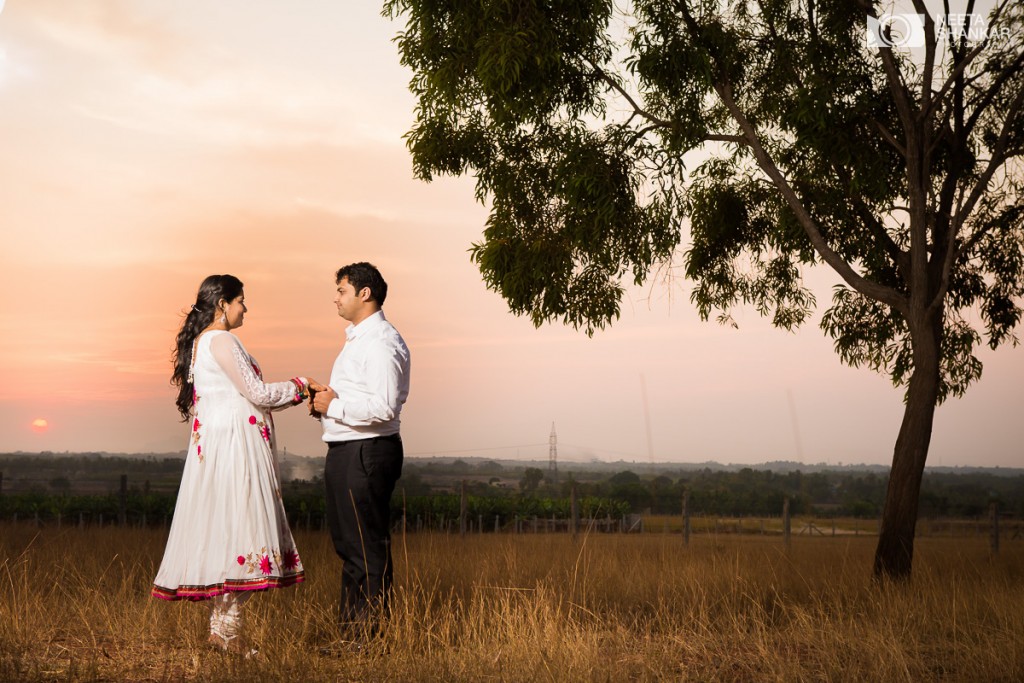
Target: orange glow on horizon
[{"x": 40, "y": 425}]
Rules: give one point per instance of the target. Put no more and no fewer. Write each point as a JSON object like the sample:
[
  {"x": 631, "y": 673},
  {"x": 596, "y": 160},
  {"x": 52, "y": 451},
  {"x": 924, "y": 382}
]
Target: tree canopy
[{"x": 753, "y": 139}]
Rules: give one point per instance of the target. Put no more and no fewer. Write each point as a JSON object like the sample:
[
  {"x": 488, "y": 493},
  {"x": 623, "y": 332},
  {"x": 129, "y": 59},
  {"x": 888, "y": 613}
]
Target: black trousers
[{"x": 360, "y": 477}]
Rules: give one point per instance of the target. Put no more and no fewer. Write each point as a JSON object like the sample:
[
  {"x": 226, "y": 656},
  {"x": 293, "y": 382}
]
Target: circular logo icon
[{"x": 899, "y": 29}]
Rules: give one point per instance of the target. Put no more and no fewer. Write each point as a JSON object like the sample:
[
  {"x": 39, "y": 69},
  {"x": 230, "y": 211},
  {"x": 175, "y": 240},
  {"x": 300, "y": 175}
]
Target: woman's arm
[{"x": 243, "y": 373}]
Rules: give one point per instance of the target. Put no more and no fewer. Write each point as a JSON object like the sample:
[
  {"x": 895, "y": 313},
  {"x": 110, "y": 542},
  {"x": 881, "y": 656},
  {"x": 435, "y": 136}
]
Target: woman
[{"x": 229, "y": 535}]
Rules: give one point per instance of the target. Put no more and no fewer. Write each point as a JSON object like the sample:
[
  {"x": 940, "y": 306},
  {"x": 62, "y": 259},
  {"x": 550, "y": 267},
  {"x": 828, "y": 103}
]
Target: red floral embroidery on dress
[
  {"x": 265, "y": 561},
  {"x": 195, "y": 438},
  {"x": 289, "y": 559},
  {"x": 264, "y": 429}
]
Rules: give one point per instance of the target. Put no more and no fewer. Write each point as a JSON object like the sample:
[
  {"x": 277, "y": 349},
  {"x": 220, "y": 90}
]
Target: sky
[{"x": 148, "y": 144}]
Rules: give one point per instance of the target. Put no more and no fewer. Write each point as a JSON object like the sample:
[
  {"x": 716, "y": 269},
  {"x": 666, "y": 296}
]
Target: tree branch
[
  {"x": 869, "y": 218},
  {"x": 629, "y": 98},
  {"x": 901, "y": 95},
  {"x": 999, "y": 156},
  {"x": 958, "y": 71},
  {"x": 656, "y": 122},
  {"x": 929, "y": 57},
  {"x": 1005, "y": 75},
  {"x": 871, "y": 289},
  {"x": 889, "y": 138},
  {"x": 737, "y": 139},
  {"x": 861, "y": 284}
]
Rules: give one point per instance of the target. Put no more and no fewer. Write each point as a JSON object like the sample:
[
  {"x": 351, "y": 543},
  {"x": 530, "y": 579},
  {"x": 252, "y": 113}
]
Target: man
[{"x": 359, "y": 412}]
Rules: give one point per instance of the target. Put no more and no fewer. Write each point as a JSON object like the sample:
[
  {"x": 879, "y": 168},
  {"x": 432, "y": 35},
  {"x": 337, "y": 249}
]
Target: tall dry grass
[{"x": 74, "y": 606}]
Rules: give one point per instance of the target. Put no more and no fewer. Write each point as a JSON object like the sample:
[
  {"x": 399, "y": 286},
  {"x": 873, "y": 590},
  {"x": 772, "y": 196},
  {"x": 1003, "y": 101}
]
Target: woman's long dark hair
[{"x": 198, "y": 318}]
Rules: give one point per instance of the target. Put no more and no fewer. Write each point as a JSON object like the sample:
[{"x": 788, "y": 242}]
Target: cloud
[{"x": 166, "y": 70}]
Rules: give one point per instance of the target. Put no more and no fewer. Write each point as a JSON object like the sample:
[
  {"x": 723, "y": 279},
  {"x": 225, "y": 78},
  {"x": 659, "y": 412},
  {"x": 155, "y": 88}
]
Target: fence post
[
  {"x": 993, "y": 513},
  {"x": 785, "y": 521},
  {"x": 686, "y": 516},
  {"x": 462, "y": 509},
  {"x": 574, "y": 512},
  {"x": 1, "y": 483},
  {"x": 496, "y": 518},
  {"x": 480, "y": 523},
  {"x": 122, "y": 506}
]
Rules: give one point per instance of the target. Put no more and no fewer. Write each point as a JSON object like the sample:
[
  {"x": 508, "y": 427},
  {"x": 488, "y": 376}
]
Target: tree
[
  {"x": 532, "y": 478},
  {"x": 773, "y": 136},
  {"x": 624, "y": 477}
]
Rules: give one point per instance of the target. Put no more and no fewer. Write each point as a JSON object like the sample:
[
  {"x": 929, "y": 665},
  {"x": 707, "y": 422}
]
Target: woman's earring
[{"x": 223, "y": 319}]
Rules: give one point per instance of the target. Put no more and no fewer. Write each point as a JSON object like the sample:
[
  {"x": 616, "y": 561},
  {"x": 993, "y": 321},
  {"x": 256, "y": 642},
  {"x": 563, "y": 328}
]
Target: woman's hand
[{"x": 314, "y": 385}]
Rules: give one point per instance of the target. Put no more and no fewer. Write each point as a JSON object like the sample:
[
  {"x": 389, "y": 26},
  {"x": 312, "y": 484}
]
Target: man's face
[{"x": 350, "y": 303}]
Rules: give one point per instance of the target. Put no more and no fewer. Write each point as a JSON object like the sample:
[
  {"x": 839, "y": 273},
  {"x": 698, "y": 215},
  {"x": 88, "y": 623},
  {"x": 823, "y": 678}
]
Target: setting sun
[{"x": 40, "y": 425}]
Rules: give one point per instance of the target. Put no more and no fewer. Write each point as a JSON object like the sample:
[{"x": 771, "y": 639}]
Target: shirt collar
[{"x": 370, "y": 322}]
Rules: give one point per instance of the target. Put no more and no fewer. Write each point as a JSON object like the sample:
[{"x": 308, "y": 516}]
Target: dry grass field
[{"x": 74, "y": 606}]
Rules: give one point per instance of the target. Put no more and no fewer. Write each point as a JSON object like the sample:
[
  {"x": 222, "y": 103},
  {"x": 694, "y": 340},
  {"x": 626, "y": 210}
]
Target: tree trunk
[{"x": 895, "y": 552}]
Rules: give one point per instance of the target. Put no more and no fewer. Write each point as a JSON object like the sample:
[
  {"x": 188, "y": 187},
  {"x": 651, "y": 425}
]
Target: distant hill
[{"x": 306, "y": 463}]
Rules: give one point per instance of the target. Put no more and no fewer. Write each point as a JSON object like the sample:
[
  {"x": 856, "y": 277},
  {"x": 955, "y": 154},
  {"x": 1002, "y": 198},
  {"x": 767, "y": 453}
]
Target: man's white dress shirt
[{"x": 371, "y": 379}]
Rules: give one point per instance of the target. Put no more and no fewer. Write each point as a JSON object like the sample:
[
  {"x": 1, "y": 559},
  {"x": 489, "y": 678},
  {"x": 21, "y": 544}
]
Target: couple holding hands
[{"x": 229, "y": 536}]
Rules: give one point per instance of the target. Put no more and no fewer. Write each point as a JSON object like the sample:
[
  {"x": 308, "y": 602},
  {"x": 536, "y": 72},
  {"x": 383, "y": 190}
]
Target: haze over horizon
[{"x": 149, "y": 145}]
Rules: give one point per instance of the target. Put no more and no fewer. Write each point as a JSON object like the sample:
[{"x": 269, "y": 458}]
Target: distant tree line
[
  {"x": 834, "y": 492},
  {"x": 86, "y": 486}
]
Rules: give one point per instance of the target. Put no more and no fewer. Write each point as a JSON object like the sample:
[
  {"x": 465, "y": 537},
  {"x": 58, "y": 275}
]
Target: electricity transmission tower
[{"x": 553, "y": 452}]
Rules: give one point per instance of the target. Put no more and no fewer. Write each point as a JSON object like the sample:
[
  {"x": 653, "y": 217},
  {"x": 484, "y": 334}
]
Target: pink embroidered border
[{"x": 231, "y": 585}]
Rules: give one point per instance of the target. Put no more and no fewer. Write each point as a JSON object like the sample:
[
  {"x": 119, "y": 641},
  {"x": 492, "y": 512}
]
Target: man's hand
[
  {"x": 314, "y": 388},
  {"x": 320, "y": 398}
]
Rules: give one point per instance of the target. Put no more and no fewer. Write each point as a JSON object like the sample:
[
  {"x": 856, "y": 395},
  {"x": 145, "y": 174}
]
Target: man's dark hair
[{"x": 361, "y": 275}]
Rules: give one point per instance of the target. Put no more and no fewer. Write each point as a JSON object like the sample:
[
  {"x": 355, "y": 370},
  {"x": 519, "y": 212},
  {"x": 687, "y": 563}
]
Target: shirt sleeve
[
  {"x": 381, "y": 400},
  {"x": 242, "y": 371}
]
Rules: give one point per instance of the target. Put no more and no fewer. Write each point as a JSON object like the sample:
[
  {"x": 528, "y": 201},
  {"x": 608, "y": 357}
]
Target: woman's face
[{"x": 234, "y": 311}]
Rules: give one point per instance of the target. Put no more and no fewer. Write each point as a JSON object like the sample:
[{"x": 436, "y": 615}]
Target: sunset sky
[{"x": 147, "y": 144}]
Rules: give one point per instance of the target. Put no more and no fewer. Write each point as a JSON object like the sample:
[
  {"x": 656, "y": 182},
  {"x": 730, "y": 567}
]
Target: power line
[{"x": 477, "y": 450}]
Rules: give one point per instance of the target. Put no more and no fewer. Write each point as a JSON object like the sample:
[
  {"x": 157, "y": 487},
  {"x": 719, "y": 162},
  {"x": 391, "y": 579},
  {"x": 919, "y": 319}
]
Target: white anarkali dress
[{"x": 229, "y": 531}]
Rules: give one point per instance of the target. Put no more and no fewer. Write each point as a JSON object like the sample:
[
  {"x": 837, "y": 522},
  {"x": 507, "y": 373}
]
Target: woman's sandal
[{"x": 235, "y": 646}]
